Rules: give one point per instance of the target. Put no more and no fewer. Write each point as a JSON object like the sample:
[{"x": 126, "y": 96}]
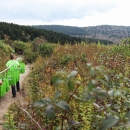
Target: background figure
[
  {"x": 13, "y": 67},
  {"x": 0, "y": 82}
]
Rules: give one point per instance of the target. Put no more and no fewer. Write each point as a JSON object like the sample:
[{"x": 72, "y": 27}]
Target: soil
[{"x": 7, "y": 99}]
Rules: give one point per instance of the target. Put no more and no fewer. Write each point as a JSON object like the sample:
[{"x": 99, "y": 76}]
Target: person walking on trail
[{"x": 13, "y": 66}]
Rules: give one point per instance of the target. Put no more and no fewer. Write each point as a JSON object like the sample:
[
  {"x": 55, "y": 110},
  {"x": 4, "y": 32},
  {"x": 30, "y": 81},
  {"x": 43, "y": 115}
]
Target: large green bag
[
  {"x": 7, "y": 84},
  {"x": 3, "y": 88},
  {"x": 21, "y": 68},
  {"x": 12, "y": 77},
  {"x": 5, "y": 79},
  {"x": 17, "y": 75}
]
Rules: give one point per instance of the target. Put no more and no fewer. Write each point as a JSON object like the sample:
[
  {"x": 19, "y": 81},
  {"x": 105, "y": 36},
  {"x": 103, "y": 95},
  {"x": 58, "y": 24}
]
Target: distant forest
[
  {"x": 104, "y": 33},
  {"x": 68, "y": 30},
  {"x": 73, "y": 32},
  {"x": 28, "y": 33}
]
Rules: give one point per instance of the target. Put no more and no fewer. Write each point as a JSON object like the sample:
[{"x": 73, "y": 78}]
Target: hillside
[
  {"x": 27, "y": 33},
  {"x": 108, "y": 32},
  {"x": 104, "y": 32},
  {"x": 69, "y": 30}
]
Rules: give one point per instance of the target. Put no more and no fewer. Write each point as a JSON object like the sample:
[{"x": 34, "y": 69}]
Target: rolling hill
[
  {"x": 110, "y": 33},
  {"x": 12, "y": 31}
]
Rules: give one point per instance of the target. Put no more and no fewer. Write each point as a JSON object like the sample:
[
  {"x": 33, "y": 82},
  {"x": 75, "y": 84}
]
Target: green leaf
[
  {"x": 77, "y": 82},
  {"x": 100, "y": 93},
  {"x": 57, "y": 95},
  {"x": 106, "y": 77},
  {"x": 89, "y": 65},
  {"x": 60, "y": 82},
  {"x": 50, "y": 112},
  {"x": 127, "y": 115},
  {"x": 117, "y": 94},
  {"x": 39, "y": 103},
  {"x": 103, "y": 82},
  {"x": 47, "y": 101},
  {"x": 55, "y": 79},
  {"x": 111, "y": 93},
  {"x": 116, "y": 106},
  {"x": 72, "y": 74},
  {"x": 71, "y": 85},
  {"x": 63, "y": 105},
  {"x": 109, "y": 122},
  {"x": 87, "y": 96},
  {"x": 91, "y": 85},
  {"x": 126, "y": 104},
  {"x": 92, "y": 71}
]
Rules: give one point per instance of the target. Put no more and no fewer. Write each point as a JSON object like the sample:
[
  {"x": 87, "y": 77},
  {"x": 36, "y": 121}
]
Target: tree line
[{"x": 28, "y": 33}]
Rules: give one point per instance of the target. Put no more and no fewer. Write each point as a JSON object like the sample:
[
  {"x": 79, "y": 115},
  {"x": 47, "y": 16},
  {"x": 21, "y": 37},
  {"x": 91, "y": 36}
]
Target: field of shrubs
[{"x": 76, "y": 87}]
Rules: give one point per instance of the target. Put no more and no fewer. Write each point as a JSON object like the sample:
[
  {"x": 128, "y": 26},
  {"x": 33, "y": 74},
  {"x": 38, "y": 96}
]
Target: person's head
[{"x": 12, "y": 56}]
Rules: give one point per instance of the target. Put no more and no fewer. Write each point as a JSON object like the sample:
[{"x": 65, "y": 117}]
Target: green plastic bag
[
  {"x": 17, "y": 75},
  {"x": 12, "y": 77},
  {"x": 21, "y": 68},
  {"x": 5, "y": 79},
  {"x": 7, "y": 83},
  {"x": 3, "y": 88}
]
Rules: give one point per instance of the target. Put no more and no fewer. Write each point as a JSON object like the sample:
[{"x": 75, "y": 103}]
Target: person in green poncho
[{"x": 13, "y": 65}]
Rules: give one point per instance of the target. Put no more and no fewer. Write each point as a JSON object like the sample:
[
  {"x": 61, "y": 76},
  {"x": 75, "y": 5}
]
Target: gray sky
[{"x": 81, "y": 13}]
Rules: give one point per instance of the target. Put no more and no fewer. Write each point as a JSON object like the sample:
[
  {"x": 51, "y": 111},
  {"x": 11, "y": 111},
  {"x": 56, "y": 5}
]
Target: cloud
[
  {"x": 50, "y": 9},
  {"x": 80, "y": 13}
]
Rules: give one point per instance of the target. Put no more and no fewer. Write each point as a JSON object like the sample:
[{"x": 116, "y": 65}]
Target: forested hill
[
  {"x": 105, "y": 32},
  {"x": 69, "y": 30},
  {"x": 27, "y": 33}
]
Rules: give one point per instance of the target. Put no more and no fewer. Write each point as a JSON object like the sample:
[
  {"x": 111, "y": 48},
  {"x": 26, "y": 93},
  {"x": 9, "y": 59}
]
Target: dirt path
[{"x": 7, "y": 99}]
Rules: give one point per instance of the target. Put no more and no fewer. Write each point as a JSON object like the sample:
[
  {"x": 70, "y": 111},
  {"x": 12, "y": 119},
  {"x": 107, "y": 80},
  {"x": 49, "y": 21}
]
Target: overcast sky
[{"x": 81, "y": 13}]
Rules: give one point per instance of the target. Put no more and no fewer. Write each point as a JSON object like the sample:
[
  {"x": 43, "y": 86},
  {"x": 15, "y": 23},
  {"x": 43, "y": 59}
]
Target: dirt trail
[{"x": 7, "y": 99}]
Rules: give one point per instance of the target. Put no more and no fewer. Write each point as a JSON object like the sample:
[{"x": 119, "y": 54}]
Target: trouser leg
[
  {"x": 13, "y": 90},
  {"x": 18, "y": 86}
]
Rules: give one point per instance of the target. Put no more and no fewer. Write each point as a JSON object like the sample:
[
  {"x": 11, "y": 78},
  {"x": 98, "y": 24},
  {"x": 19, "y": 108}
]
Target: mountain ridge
[{"x": 113, "y": 33}]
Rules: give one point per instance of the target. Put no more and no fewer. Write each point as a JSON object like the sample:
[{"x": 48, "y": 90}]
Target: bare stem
[{"x": 31, "y": 118}]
